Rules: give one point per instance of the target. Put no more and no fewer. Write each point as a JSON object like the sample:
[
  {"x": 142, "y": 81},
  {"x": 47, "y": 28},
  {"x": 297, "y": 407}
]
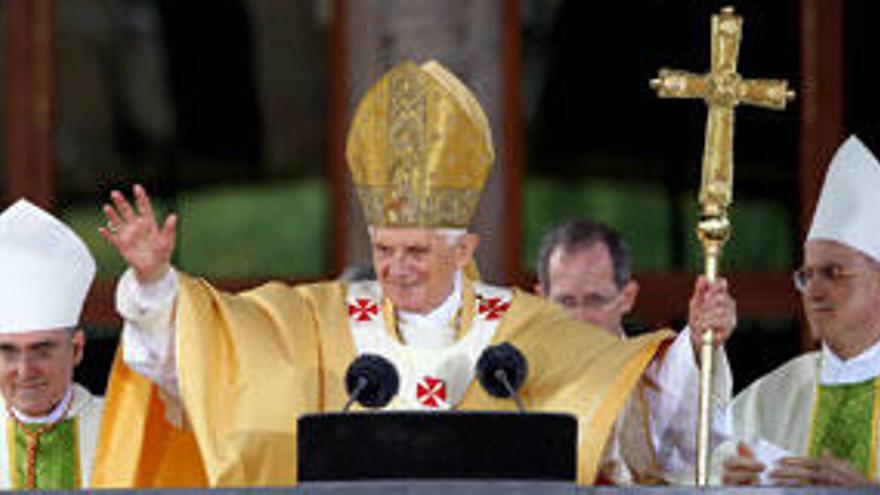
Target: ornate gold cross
[{"x": 722, "y": 89}]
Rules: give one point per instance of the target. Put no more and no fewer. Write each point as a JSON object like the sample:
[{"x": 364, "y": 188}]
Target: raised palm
[{"x": 137, "y": 237}]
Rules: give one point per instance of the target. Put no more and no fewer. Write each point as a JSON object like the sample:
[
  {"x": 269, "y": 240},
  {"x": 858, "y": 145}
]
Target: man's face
[
  {"x": 582, "y": 281},
  {"x": 38, "y": 368},
  {"x": 841, "y": 297},
  {"x": 416, "y": 267}
]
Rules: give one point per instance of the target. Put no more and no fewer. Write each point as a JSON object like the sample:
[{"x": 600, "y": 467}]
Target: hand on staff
[
  {"x": 743, "y": 468},
  {"x": 826, "y": 470},
  {"x": 711, "y": 308},
  {"x": 137, "y": 237}
]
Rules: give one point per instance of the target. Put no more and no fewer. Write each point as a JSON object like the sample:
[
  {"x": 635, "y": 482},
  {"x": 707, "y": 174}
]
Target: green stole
[
  {"x": 845, "y": 423},
  {"x": 56, "y": 457}
]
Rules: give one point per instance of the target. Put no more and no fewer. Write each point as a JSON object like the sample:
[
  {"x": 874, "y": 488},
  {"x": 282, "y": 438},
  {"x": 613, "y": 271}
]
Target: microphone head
[
  {"x": 378, "y": 376},
  {"x": 507, "y": 359}
]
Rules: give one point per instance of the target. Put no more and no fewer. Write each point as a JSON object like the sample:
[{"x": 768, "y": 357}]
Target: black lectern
[{"x": 447, "y": 445}]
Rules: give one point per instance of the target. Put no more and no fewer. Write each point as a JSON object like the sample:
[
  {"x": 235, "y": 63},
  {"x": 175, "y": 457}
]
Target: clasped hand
[
  {"x": 711, "y": 308},
  {"x": 745, "y": 469}
]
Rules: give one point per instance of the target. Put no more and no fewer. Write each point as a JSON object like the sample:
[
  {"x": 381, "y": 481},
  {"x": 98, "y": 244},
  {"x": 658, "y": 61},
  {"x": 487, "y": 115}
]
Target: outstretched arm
[{"x": 146, "y": 293}]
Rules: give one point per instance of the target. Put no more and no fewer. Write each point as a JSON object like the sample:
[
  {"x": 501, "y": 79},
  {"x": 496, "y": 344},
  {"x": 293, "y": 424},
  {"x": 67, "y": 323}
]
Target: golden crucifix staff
[{"x": 722, "y": 89}]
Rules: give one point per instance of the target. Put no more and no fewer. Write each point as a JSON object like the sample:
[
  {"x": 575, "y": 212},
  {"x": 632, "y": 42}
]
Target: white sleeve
[
  {"x": 614, "y": 467},
  {"x": 674, "y": 405},
  {"x": 148, "y": 333}
]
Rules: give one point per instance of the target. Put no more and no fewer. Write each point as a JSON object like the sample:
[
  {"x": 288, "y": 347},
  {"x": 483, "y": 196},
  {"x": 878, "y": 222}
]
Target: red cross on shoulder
[
  {"x": 363, "y": 310},
  {"x": 492, "y": 308}
]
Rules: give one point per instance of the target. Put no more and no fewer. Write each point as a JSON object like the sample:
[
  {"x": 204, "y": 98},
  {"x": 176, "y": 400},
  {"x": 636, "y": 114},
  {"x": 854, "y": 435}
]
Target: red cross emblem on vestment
[
  {"x": 431, "y": 391},
  {"x": 492, "y": 308},
  {"x": 363, "y": 310}
]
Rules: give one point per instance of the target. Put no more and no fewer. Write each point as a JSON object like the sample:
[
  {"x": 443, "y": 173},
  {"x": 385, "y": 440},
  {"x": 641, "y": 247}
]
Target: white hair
[{"x": 450, "y": 235}]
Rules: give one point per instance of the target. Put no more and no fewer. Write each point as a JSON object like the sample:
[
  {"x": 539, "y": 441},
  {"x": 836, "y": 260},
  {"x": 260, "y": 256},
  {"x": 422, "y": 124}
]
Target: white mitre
[
  {"x": 45, "y": 271},
  {"x": 848, "y": 211}
]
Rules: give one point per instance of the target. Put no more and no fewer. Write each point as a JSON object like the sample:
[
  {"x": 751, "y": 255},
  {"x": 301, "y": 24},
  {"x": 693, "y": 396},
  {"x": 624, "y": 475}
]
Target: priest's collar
[
  {"x": 56, "y": 414},
  {"x": 433, "y": 329},
  {"x": 836, "y": 371}
]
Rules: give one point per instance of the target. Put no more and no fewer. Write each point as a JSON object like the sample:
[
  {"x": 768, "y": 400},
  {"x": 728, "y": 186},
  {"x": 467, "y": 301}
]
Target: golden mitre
[{"x": 419, "y": 149}]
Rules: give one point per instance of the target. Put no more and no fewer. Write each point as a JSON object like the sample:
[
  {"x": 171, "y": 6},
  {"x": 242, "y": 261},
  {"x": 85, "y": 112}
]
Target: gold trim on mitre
[{"x": 419, "y": 149}]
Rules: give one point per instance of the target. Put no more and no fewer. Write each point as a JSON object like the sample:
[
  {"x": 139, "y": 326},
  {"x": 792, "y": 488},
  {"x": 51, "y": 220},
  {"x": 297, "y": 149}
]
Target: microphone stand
[
  {"x": 501, "y": 376},
  {"x": 361, "y": 385}
]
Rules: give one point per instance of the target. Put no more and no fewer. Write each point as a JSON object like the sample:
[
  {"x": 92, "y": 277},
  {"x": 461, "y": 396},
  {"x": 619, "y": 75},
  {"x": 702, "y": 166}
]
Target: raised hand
[
  {"x": 137, "y": 237},
  {"x": 711, "y": 307}
]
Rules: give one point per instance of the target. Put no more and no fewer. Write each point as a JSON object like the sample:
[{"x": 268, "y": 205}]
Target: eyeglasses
[
  {"x": 828, "y": 273},
  {"x": 592, "y": 301}
]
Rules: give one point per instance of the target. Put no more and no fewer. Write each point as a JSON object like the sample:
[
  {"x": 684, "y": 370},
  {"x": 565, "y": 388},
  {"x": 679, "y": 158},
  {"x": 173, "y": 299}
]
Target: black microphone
[
  {"x": 502, "y": 370},
  {"x": 371, "y": 380}
]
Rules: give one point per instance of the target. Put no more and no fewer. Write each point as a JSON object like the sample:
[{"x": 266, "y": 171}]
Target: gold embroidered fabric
[
  {"x": 240, "y": 353},
  {"x": 419, "y": 149}
]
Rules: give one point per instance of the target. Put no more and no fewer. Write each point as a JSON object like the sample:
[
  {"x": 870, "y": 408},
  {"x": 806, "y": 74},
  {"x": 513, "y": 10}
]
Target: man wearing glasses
[
  {"x": 814, "y": 420},
  {"x": 50, "y": 424},
  {"x": 584, "y": 266}
]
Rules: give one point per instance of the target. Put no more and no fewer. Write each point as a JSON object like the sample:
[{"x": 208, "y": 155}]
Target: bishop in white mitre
[
  {"x": 814, "y": 420},
  {"x": 50, "y": 422}
]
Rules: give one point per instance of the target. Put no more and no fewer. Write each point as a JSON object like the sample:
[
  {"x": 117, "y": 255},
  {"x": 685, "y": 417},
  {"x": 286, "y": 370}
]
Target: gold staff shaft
[{"x": 713, "y": 232}]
